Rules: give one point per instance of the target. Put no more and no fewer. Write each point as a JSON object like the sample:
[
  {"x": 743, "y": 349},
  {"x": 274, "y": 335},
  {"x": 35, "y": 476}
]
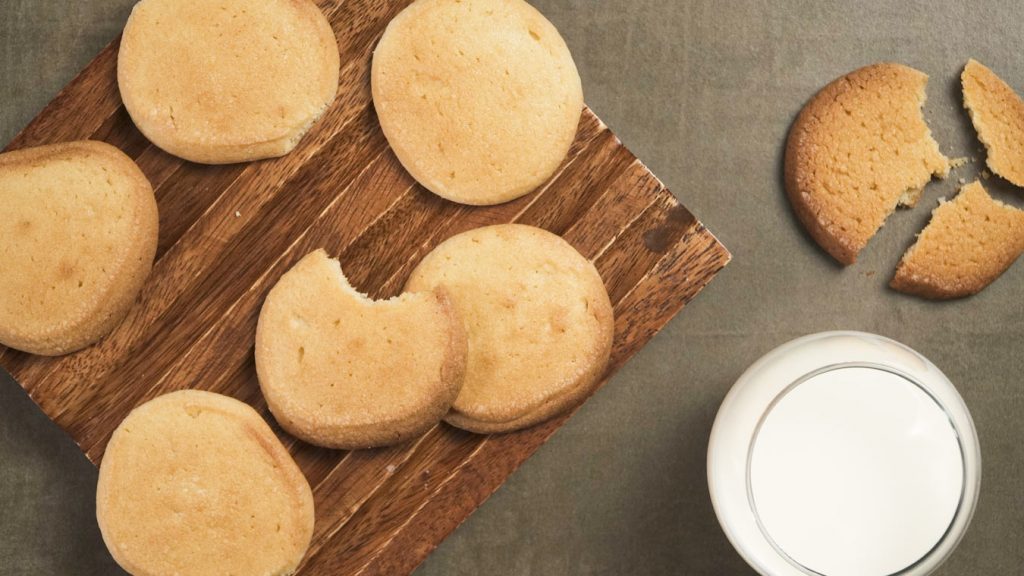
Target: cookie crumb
[
  {"x": 238, "y": 214},
  {"x": 959, "y": 162}
]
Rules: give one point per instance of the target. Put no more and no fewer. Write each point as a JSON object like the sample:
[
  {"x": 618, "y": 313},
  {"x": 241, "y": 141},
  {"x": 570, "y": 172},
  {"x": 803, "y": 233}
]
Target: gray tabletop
[{"x": 704, "y": 92}]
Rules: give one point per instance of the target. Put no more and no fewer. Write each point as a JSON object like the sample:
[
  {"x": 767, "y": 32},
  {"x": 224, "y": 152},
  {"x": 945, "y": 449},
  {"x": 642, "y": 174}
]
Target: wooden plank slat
[{"x": 229, "y": 232}]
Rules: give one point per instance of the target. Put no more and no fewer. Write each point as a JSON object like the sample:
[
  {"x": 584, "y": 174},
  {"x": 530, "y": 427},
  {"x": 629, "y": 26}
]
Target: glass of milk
[{"x": 844, "y": 454}]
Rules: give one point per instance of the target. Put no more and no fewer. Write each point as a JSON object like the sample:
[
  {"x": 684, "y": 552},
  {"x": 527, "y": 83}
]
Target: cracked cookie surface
[{"x": 859, "y": 149}]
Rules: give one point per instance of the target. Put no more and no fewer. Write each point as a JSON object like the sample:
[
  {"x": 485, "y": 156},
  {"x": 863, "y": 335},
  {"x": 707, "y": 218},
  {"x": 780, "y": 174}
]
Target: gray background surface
[{"x": 704, "y": 92}]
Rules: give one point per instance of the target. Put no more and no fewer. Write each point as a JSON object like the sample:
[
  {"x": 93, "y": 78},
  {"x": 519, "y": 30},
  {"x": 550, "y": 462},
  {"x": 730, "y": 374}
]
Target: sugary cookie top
[
  {"x": 537, "y": 315},
  {"x": 196, "y": 483},
  {"x": 203, "y": 77},
  {"x": 857, "y": 149},
  {"x": 78, "y": 220},
  {"x": 970, "y": 241},
  {"x": 344, "y": 371},
  {"x": 480, "y": 99}
]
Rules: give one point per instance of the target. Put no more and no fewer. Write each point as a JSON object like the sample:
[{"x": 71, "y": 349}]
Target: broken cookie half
[
  {"x": 997, "y": 113},
  {"x": 970, "y": 241},
  {"x": 858, "y": 150},
  {"x": 340, "y": 370}
]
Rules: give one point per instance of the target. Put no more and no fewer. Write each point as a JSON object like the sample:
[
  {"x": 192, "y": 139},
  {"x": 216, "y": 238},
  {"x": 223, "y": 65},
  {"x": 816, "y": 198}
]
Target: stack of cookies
[
  {"x": 499, "y": 328},
  {"x": 860, "y": 148}
]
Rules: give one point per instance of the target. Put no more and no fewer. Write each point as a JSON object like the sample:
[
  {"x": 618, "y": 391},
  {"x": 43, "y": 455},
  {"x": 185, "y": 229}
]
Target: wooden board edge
[{"x": 64, "y": 108}]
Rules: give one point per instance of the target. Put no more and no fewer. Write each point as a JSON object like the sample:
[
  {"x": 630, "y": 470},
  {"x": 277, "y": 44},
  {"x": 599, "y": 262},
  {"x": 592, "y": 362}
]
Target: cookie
[
  {"x": 342, "y": 371},
  {"x": 196, "y": 483},
  {"x": 998, "y": 116},
  {"x": 78, "y": 234},
  {"x": 479, "y": 99},
  {"x": 859, "y": 149},
  {"x": 968, "y": 244},
  {"x": 222, "y": 81},
  {"x": 538, "y": 320}
]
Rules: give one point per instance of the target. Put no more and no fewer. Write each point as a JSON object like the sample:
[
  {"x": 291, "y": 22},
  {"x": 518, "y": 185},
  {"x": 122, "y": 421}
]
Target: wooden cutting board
[{"x": 227, "y": 233}]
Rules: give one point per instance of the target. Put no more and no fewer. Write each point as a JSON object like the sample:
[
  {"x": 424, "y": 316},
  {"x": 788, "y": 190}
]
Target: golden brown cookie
[
  {"x": 969, "y": 243},
  {"x": 859, "y": 149},
  {"x": 480, "y": 99},
  {"x": 196, "y": 483},
  {"x": 78, "y": 233},
  {"x": 998, "y": 116},
  {"x": 222, "y": 81},
  {"x": 342, "y": 371},
  {"x": 538, "y": 320}
]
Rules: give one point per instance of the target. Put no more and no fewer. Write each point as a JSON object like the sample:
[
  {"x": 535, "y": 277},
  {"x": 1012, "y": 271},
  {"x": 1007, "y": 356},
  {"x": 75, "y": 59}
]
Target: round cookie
[
  {"x": 342, "y": 371},
  {"x": 222, "y": 81},
  {"x": 78, "y": 233},
  {"x": 538, "y": 320},
  {"x": 196, "y": 483},
  {"x": 479, "y": 99},
  {"x": 857, "y": 150}
]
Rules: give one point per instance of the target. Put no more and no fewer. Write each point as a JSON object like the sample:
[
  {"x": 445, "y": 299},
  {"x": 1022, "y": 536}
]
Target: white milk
[
  {"x": 844, "y": 454},
  {"x": 856, "y": 472}
]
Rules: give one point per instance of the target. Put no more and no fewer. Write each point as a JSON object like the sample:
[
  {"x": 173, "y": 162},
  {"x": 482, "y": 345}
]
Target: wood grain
[{"x": 227, "y": 233}]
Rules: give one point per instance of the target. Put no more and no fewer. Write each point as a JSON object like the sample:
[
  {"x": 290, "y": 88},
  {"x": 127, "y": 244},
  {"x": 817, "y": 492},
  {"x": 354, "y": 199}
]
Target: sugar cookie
[
  {"x": 196, "y": 483},
  {"x": 342, "y": 371},
  {"x": 78, "y": 233},
  {"x": 480, "y": 99},
  {"x": 970, "y": 241},
  {"x": 222, "y": 81},
  {"x": 538, "y": 319},
  {"x": 859, "y": 149},
  {"x": 998, "y": 116}
]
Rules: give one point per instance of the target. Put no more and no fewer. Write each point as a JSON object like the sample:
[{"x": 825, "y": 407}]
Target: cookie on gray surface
[
  {"x": 997, "y": 113},
  {"x": 969, "y": 243},
  {"x": 859, "y": 149}
]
